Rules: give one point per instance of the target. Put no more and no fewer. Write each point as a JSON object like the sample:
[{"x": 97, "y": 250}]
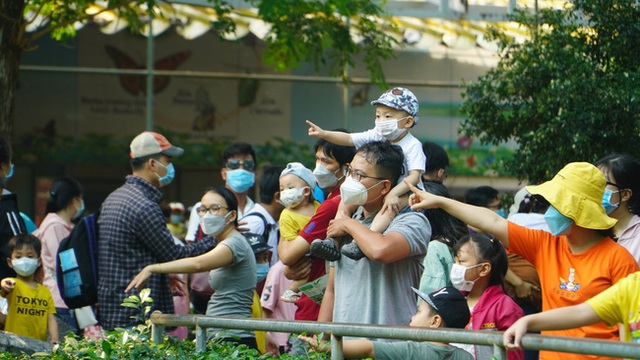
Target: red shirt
[{"x": 316, "y": 228}]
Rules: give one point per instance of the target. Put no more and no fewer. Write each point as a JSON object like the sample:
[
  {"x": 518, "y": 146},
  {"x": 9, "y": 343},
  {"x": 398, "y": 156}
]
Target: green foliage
[
  {"x": 318, "y": 31},
  {"x": 63, "y": 15},
  {"x": 568, "y": 94},
  {"x": 135, "y": 344},
  {"x": 142, "y": 303},
  {"x": 477, "y": 161},
  {"x": 38, "y": 148},
  {"x": 281, "y": 152}
]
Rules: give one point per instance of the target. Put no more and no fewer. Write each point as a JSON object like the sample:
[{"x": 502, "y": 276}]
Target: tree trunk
[{"x": 11, "y": 23}]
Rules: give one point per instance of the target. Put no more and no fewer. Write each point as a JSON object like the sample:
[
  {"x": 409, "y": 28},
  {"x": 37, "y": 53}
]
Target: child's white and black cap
[
  {"x": 300, "y": 171},
  {"x": 450, "y": 304},
  {"x": 400, "y": 98},
  {"x": 257, "y": 242}
]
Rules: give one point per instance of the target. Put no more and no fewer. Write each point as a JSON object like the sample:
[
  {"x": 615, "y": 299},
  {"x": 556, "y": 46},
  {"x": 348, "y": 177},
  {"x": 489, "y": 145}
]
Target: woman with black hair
[
  {"x": 64, "y": 205},
  {"x": 231, "y": 265},
  {"x": 576, "y": 261},
  {"x": 621, "y": 199}
]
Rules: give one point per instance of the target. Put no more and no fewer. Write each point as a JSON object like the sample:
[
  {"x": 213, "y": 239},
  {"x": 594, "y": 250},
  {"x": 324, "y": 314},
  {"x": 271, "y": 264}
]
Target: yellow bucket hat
[{"x": 576, "y": 192}]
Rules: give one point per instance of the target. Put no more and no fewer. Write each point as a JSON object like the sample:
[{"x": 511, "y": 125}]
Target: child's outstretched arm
[
  {"x": 556, "y": 319},
  {"x": 355, "y": 349},
  {"x": 52, "y": 326},
  {"x": 6, "y": 286},
  {"x": 336, "y": 137}
]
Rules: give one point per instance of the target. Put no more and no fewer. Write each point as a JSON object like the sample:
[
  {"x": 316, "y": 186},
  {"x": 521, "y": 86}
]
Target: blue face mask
[
  {"x": 558, "y": 223},
  {"x": 240, "y": 180},
  {"x": 606, "y": 201},
  {"x": 176, "y": 218},
  {"x": 10, "y": 174},
  {"x": 168, "y": 178},
  {"x": 80, "y": 210},
  {"x": 501, "y": 213},
  {"x": 261, "y": 271}
]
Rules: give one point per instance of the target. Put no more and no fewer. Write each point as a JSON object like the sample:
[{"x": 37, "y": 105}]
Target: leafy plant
[
  {"x": 318, "y": 32},
  {"x": 135, "y": 344},
  {"x": 568, "y": 94},
  {"x": 37, "y": 148},
  {"x": 142, "y": 303}
]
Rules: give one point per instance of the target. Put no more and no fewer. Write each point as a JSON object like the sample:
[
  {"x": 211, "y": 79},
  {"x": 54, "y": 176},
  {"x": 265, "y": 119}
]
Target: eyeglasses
[
  {"x": 356, "y": 175},
  {"x": 613, "y": 184},
  {"x": 234, "y": 164},
  {"x": 202, "y": 210}
]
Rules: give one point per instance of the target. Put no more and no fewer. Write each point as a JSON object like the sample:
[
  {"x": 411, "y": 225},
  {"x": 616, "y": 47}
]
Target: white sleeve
[
  {"x": 254, "y": 223},
  {"x": 364, "y": 137},
  {"x": 415, "y": 157},
  {"x": 194, "y": 221}
]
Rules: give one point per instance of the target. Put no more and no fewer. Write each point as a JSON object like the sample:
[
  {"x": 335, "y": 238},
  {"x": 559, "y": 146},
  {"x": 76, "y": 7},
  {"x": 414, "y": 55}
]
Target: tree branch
[{"x": 49, "y": 29}]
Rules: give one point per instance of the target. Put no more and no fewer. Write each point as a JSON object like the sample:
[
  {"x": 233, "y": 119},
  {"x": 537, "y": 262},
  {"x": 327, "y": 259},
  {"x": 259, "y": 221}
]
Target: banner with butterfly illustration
[
  {"x": 229, "y": 108},
  {"x": 236, "y": 108}
]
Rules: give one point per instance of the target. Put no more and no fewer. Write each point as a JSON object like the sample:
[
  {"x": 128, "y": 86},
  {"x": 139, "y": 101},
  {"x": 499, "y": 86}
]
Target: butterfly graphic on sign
[{"x": 137, "y": 84}]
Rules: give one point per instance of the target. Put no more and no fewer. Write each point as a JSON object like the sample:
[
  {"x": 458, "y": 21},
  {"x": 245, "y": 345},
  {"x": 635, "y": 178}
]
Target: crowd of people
[{"x": 371, "y": 235}]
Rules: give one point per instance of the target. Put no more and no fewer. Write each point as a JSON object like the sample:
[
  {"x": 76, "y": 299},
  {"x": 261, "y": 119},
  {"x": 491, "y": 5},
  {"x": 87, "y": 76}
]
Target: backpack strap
[{"x": 267, "y": 227}]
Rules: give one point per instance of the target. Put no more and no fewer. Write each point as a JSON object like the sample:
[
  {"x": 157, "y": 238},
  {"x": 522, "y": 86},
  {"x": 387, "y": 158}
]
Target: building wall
[{"x": 224, "y": 107}]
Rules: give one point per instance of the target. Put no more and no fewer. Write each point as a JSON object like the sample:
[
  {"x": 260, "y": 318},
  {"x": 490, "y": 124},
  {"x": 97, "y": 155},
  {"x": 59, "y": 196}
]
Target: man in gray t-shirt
[{"x": 375, "y": 289}]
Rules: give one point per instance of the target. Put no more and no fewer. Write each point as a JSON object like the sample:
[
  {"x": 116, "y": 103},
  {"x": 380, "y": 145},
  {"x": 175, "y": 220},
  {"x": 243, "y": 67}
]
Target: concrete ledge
[{"x": 16, "y": 344}]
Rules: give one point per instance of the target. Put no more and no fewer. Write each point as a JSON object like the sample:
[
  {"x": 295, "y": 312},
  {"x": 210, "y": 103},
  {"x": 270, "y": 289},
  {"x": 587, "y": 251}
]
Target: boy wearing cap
[
  {"x": 396, "y": 112},
  {"x": 296, "y": 194},
  {"x": 132, "y": 232},
  {"x": 575, "y": 261},
  {"x": 445, "y": 307}
]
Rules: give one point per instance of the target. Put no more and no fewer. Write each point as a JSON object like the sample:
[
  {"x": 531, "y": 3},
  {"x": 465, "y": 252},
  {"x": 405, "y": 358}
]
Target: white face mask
[
  {"x": 389, "y": 128},
  {"x": 291, "y": 198},
  {"x": 353, "y": 192},
  {"x": 324, "y": 177},
  {"x": 458, "y": 280},
  {"x": 25, "y": 266},
  {"x": 213, "y": 224}
]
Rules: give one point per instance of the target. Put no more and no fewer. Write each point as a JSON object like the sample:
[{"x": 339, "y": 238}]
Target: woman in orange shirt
[{"x": 576, "y": 261}]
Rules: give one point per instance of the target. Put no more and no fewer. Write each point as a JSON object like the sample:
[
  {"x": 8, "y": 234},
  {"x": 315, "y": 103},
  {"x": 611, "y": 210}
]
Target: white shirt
[
  {"x": 256, "y": 226},
  {"x": 414, "y": 157}
]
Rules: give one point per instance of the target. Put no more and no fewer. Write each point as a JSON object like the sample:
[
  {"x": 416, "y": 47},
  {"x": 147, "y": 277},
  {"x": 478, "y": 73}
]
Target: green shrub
[
  {"x": 39, "y": 148},
  {"x": 136, "y": 344}
]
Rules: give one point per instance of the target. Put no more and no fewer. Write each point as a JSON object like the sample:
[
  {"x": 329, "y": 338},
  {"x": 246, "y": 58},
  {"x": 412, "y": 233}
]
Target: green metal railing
[{"x": 338, "y": 330}]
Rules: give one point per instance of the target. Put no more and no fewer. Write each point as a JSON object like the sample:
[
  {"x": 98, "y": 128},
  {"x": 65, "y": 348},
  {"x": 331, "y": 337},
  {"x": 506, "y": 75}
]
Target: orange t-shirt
[{"x": 569, "y": 279}]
